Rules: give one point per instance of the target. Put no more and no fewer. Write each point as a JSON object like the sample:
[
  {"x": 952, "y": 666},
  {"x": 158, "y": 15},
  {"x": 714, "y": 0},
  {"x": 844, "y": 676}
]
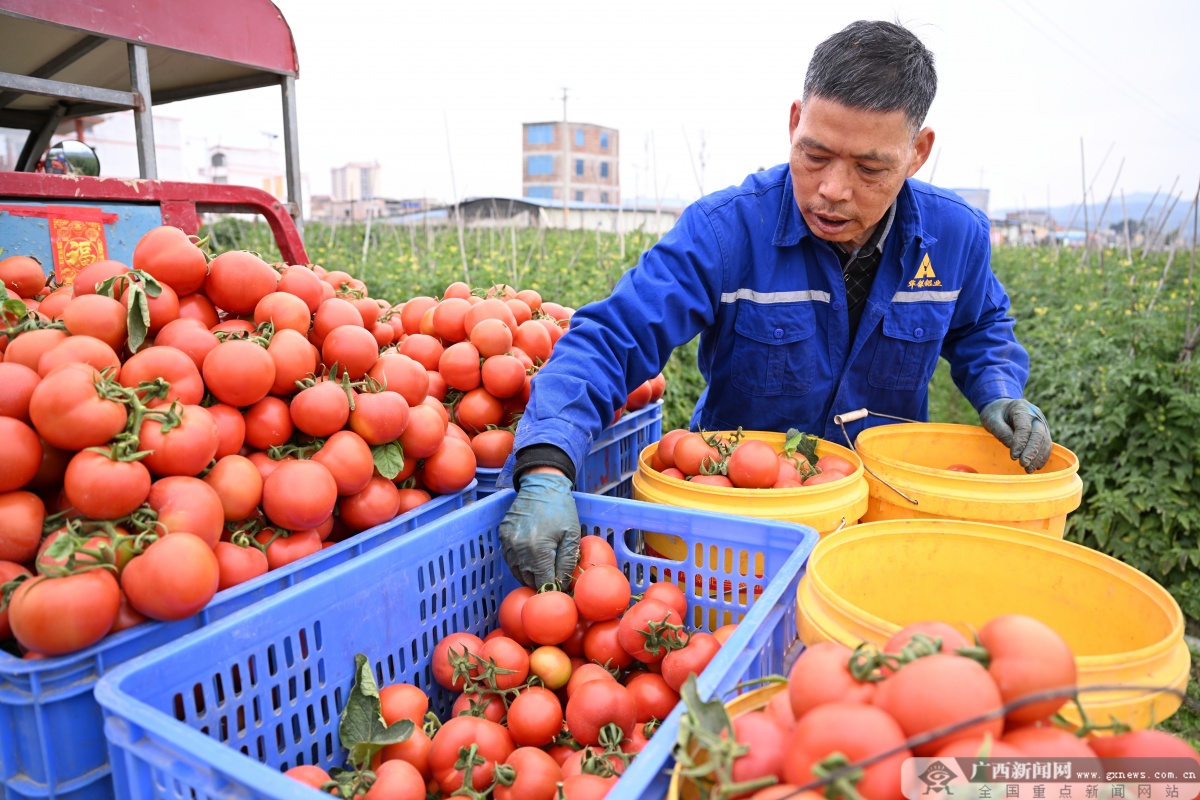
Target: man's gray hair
[{"x": 874, "y": 65}]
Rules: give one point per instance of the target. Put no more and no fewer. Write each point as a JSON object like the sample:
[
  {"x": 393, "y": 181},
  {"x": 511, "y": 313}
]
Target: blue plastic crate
[
  {"x": 222, "y": 712},
  {"x": 51, "y": 729},
  {"x": 610, "y": 464}
]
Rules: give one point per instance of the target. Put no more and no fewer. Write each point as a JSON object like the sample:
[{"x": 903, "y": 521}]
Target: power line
[{"x": 1150, "y": 102}]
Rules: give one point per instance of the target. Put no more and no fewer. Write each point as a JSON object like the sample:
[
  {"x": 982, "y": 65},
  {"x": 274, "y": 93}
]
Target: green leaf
[
  {"x": 362, "y": 729},
  {"x": 14, "y": 307},
  {"x": 389, "y": 459},
  {"x": 137, "y": 320},
  {"x": 709, "y": 715}
]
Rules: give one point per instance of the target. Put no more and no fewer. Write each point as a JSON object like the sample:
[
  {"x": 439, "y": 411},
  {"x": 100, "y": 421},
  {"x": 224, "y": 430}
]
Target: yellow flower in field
[
  {"x": 453, "y": 249},
  {"x": 1128, "y": 312},
  {"x": 1078, "y": 307},
  {"x": 1040, "y": 311}
]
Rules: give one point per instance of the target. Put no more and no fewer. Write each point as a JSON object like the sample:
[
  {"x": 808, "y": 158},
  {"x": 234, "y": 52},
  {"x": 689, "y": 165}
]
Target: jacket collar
[{"x": 791, "y": 227}]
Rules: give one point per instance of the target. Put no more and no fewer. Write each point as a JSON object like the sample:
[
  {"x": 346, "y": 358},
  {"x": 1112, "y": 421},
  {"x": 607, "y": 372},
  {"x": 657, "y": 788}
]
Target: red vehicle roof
[{"x": 195, "y": 48}]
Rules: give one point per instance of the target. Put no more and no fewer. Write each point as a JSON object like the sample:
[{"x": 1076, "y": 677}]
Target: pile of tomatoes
[
  {"x": 188, "y": 424},
  {"x": 563, "y": 694},
  {"x": 481, "y": 348},
  {"x": 733, "y": 461},
  {"x": 928, "y": 693}
]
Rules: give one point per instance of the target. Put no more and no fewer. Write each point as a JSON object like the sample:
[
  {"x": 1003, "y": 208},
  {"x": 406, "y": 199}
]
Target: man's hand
[
  {"x": 1022, "y": 428},
  {"x": 540, "y": 533}
]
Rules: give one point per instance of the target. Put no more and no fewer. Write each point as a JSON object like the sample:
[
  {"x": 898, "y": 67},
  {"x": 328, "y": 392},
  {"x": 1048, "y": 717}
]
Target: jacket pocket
[
  {"x": 774, "y": 349},
  {"x": 906, "y": 352}
]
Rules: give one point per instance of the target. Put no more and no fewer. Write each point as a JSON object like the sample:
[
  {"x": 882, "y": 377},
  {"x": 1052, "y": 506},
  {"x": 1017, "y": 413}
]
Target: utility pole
[{"x": 566, "y": 160}]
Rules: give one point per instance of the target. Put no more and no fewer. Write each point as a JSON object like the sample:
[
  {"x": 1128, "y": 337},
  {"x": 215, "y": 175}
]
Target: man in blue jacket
[{"x": 827, "y": 284}]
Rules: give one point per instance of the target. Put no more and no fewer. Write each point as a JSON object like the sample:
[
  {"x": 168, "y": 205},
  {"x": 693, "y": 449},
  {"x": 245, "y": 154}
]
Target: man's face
[{"x": 849, "y": 165}]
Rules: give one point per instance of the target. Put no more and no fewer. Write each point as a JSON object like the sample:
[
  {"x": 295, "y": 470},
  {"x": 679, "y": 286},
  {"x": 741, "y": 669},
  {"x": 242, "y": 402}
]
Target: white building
[{"x": 355, "y": 181}]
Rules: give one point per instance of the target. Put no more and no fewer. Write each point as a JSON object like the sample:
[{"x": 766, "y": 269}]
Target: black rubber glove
[
  {"x": 1022, "y": 428},
  {"x": 540, "y": 533}
]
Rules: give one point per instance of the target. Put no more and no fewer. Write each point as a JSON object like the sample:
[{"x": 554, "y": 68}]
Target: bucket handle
[{"x": 853, "y": 416}]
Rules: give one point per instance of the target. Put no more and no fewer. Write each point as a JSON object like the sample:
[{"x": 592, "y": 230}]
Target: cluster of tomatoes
[
  {"x": 481, "y": 350},
  {"x": 930, "y": 693},
  {"x": 186, "y": 425},
  {"x": 562, "y": 695},
  {"x": 732, "y": 461}
]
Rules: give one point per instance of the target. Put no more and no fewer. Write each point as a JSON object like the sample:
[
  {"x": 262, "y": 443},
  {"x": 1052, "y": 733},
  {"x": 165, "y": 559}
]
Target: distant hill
[{"x": 1135, "y": 204}]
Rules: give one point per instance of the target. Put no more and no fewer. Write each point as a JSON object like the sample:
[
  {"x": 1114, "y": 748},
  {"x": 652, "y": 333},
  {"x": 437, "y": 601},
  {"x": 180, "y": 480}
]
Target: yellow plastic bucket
[
  {"x": 867, "y": 582},
  {"x": 911, "y": 458},
  {"x": 824, "y": 507}
]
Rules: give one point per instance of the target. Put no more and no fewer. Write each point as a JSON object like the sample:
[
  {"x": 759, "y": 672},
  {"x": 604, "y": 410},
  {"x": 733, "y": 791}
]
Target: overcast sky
[{"x": 411, "y": 84}]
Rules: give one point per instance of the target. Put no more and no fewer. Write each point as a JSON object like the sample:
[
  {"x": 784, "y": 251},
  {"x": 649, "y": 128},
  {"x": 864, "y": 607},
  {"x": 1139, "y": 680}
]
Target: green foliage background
[{"x": 1105, "y": 338}]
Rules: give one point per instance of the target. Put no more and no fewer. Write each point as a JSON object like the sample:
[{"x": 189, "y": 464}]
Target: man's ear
[
  {"x": 922, "y": 146},
  {"x": 793, "y": 119}
]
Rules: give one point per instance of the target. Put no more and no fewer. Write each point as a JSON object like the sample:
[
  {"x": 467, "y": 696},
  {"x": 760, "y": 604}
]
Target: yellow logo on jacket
[{"x": 925, "y": 275}]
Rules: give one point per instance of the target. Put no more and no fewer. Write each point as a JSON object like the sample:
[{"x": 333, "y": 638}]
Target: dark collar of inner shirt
[{"x": 873, "y": 243}]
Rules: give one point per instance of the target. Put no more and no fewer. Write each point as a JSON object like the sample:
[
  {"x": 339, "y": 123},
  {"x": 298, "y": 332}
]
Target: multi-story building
[
  {"x": 355, "y": 181},
  {"x": 576, "y": 157}
]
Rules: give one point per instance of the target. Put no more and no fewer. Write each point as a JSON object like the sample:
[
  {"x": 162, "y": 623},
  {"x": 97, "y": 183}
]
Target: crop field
[{"x": 1108, "y": 340}]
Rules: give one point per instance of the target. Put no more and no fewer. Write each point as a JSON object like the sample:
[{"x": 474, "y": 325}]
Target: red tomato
[
  {"x": 832, "y": 463},
  {"x": 639, "y": 397},
  {"x": 374, "y": 505},
  {"x": 23, "y": 514},
  {"x": 424, "y": 434},
  {"x": 303, "y": 283},
  {"x": 586, "y": 673},
  {"x": 169, "y": 364},
  {"x": 54, "y": 616},
  {"x": 535, "y": 717},
  {"x": 183, "y": 450},
  {"x": 320, "y": 410},
  {"x": 712, "y": 480},
  {"x": 669, "y": 594},
  {"x": 768, "y": 747},
  {"x": 284, "y": 550},
  {"x": 190, "y": 505},
  {"x": 534, "y": 339},
  {"x": 493, "y": 743},
  {"x": 593, "y": 550},
  {"x": 460, "y": 366},
  {"x": 236, "y": 564},
  {"x": 173, "y": 579},
  {"x": 348, "y": 458},
  {"x": 537, "y": 776},
  {"x": 753, "y": 465},
  {"x": 476, "y": 410},
  {"x": 268, "y": 423},
  {"x": 309, "y": 775},
  {"x": 652, "y": 697},
  {"x": 98, "y": 316},
  {"x": 1027, "y": 656},
  {"x": 599, "y": 703},
  {"x": 449, "y": 319},
  {"x": 396, "y": 780},
  {"x": 857, "y": 732},
  {"x": 69, "y": 413},
  {"x": 190, "y": 336},
  {"x": 602, "y": 644},
  {"x": 723, "y": 633},
  {"x": 491, "y": 337},
  {"x": 380, "y": 417},
  {"x": 412, "y": 498},
  {"x": 74, "y": 349},
  {"x": 239, "y": 372},
  {"x": 17, "y": 383},
  {"x": 294, "y": 358},
  {"x": 587, "y": 787},
  {"x": 88, "y": 279},
  {"x": 101, "y": 488},
  {"x": 1138, "y": 744},
  {"x": 285, "y": 311},
  {"x": 333, "y": 313},
  {"x": 649, "y": 617},
  {"x": 403, "y": 701},
  {"x": 28, "y": 348},
  {"x": 414, "y": 750},
  {"x": 936, "y": 691},
  {"x": 1047, "y": 742},
  {"x": 162, "y": 309},
  {"x": 692, "y": 452},
  {"x": 238, "y": 280},
  {"x": 549, "y": 617},
  {"x": 492, "y": 448},
  {"x": 299, "y": 495},
  {"x": 170, "y": 256},
  {"x": 199, "y": 308},
  {"x": 509, "y": 613},
  {"x": 456, "y": 644},
  {"x": 414, "y": 310},
  {"x": 23, "y": 456},
  {"x": 602, "y": 593},
  {"x": 239, "y": 485},
  {"x": 22, "y": 275},
  {"x": 353, "y": 348},
  {"x": 780, "y": 707},
  {"x": 701, "y": 649},
  {"x": 449, "y": 469},
  {"x": 821, "y": 675},
  {"x": 425, "y": 350}
]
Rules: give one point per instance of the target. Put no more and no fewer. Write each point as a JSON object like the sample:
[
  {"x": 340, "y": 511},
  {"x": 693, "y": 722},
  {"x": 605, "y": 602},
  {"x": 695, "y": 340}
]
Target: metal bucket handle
[{"x": 853, "y": 416}]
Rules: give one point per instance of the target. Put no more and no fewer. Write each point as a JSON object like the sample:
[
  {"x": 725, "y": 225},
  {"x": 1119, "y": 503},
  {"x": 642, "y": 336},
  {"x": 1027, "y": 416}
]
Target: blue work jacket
[{"x": 742, "y": 270}]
